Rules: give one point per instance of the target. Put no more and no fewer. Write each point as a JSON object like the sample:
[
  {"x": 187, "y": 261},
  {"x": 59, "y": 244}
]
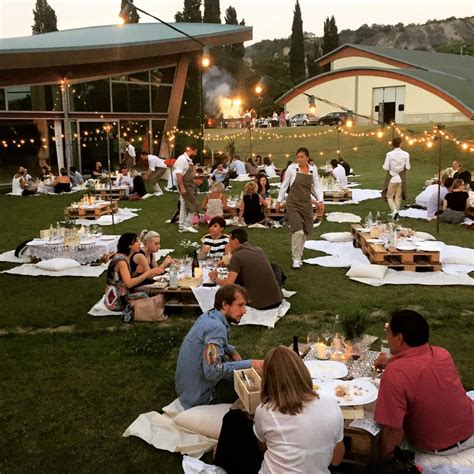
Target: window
[
  {"x": 401, "y": 107},
  {"x": 163, "y": 76},
  {"x": 377, "y": 108},
  {"x": 160, "y": 98},
  {"x": 91, "y": 96},
  {"x": 19, "y": 98},
  {"x": 128, "y": 97},
  {"x": 2, "y": 99}
]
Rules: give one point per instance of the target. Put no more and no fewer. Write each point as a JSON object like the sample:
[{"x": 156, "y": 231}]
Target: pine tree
[
  {"x": 330, "y": 38},
  {"x": 45, "y": 18},
  {"x": 297, "y": 56},
  {"x": 312, "y": 60},
  {"x": 191, "y": 12},
  {"x": 132, "y": 16},
  {"x": 212, "y": 11},
  {"x": 233, "y": 55}
]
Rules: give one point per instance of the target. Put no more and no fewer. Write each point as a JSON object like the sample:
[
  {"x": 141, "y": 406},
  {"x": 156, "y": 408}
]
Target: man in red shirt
[{"x": 421, "y": 396}]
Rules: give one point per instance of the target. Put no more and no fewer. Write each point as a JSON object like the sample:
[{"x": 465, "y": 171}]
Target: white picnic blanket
[
  {"x": 122, "y": 215},
  {"x": 343, "y": 217},
  {"x": 196, "y": 466},
  {"x": 243, "y": 178},
  {"x": 205, "y": 297},
  {"x": 394, "y": 277},
  {"x": 358, "y": 195},
  {"x": 9, "y": 257},
  {"x": 30, "y": 269},
  {"x": 415, "y": 214}
]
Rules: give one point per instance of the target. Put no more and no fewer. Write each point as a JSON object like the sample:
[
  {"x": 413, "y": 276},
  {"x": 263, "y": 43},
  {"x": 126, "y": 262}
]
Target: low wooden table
[
  {"x": 181, "y": 297},
  {"x": 92, "y": 212},
  {"x": 412, "y": 260},
  {"x": 338, "y": 196},
  {"x": 360, "y": 445},
  {"x": 113, "y": 194},
  {"x": 272, "y": 213}
]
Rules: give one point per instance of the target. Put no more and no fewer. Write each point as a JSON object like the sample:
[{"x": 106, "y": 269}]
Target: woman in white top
[
  {"x": 269, "y": 168},
  {"x": 214, "y": 203},
  {"x": 299, "y": 431},
  {"x": 302, "y": 183},
  {"x": 20, "y": 184}
]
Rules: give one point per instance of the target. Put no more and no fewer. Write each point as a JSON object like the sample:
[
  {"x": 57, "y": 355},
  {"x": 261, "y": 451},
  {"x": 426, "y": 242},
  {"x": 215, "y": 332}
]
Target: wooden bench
[
  {"x": 91, "y": 212},
  {"x": 113, "y": 194},
  {"x": 338, "y": 196},
  {"x": 181, "y": 297}
]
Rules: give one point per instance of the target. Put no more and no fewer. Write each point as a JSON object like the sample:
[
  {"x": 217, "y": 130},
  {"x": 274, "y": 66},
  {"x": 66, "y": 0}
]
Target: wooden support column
[{"x": 174, "y": 106}]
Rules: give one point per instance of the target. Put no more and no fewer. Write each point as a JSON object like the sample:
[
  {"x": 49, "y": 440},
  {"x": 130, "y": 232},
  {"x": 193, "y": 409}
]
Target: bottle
[
  {"x": 377, "y": 218},
  {"x": 195, "y": 263},
  {"x": 51, "y": 232},
  {"x": 296, "y": 345},
  {"x": 173, "y": 276},
  {"x": 338, "y": 336},
  {"x": 369, "y": 219}
]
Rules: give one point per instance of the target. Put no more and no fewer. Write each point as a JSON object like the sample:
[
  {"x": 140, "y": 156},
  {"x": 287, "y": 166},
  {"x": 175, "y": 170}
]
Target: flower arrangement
[{"x": 189, "y": 246}]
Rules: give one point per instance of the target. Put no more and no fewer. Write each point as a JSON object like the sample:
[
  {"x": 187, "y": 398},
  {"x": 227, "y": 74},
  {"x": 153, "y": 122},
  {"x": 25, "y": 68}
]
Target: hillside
[{"x": 437, "y": 35}]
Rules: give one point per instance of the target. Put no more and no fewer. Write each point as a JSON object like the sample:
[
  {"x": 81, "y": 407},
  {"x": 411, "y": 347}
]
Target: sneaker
[
  {"x": 188, "y": 229},
  {"x": 296, "y": 263},
  {"x": 158, "y": 193}
]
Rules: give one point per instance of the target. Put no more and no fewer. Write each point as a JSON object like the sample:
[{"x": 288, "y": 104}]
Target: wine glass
[{"x": 326, "y": 333}]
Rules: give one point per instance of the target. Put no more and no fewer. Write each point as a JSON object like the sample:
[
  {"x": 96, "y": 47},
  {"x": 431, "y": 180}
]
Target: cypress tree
[
  {"x": 330, "y": 38},
  {"x": 212, "y": 11},
  {"x": 191, "y": 12},
  {"x": 45, "y": 18},
  {"x": 233, "y": 55},
  {"x": 132, "y": 16},
  {"x": 297, "y": 55}
]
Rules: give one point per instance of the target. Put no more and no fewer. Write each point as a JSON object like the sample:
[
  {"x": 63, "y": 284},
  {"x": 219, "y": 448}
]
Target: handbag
[{"x": 148, "y": 309}]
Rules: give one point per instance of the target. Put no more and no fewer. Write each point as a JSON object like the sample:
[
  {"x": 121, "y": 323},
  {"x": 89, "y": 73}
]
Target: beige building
[{"x": 390, "y": 85}]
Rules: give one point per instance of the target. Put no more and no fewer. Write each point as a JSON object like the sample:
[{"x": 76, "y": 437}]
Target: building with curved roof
[
  {"x": 58, "y": 89},
  {"x": 391, "y": 85}
]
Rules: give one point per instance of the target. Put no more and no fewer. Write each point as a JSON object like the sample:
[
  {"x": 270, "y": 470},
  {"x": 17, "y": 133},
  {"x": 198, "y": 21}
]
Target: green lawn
[{"x": 71, "y": 384}]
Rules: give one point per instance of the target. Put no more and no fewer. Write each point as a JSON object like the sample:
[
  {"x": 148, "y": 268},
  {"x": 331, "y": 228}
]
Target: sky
[{"x": 270, "y": 18}]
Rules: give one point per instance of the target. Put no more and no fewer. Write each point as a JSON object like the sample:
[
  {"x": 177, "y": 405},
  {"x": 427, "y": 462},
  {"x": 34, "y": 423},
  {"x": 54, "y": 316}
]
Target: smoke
[{"x": 217, "y": 87}]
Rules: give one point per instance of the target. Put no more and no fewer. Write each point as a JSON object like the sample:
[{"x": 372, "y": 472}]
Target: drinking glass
[
  {"x": 385, "y": 348},
  {"x": 326, "y": 333}
]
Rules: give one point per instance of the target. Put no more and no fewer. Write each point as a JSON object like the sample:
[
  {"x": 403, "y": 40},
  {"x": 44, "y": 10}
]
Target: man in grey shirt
[{"x": 250, "y": 267}]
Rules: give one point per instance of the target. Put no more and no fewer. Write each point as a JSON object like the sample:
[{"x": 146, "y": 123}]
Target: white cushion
[
  {"x": 57, "y": 264},
  {"x": 174, "y": 408},
  {"x": 367, "y": 271},
  {"x": 205, "y": 420},
  {"x": 337, "y": 237},
  {"x": 458, "y": 256},
  {"x": 424, "y": 236}
]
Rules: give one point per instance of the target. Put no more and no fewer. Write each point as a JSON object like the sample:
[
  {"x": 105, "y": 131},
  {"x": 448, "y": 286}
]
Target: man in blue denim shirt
[{"x": 206, "y": 357}]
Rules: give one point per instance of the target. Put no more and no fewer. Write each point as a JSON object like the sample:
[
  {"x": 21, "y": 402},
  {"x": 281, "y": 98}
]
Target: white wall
[{"x": 358, "y": 61}]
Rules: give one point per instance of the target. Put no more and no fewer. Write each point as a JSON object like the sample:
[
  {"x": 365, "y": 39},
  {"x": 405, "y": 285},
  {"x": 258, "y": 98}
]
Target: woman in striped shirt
[{"x": 214, "y": 244}]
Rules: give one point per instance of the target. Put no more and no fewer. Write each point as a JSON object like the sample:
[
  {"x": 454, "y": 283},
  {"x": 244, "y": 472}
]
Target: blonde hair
[
  {"x": 217, "y": 187},
  {"x": 250, "y": 188},
  {"x": 286, "y": 383},
  {"x": 147, "y": 235}
]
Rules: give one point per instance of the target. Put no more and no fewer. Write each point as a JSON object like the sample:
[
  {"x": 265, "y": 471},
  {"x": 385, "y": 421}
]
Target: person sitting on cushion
[
  {"x": 76, "y": 177},
  {"x": 98, "y": 170},
  {"x": 214, "y": 244},
  {"x": 421, "y": 396},
  {"x": 206, "y": 359},
  {"x": 455, "y": 204},
  {"x": 62, "y": 183},
  {"x": 251, "y": 205},
  {"x": 249, "y": 266},
  {"x": 20, "y": 186}
]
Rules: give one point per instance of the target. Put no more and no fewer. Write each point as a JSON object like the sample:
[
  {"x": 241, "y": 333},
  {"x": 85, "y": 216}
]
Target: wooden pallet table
[
  {"x": 338, "y": 196},
  {"x": 412, "y": 260},
  {"x": 94, "y": 212},
  {"x": 272, "y": 213},
  {"x": 181, "y": 297},
  {"x": 360, "y": 446},
  {"x": 113, "y": 194}
]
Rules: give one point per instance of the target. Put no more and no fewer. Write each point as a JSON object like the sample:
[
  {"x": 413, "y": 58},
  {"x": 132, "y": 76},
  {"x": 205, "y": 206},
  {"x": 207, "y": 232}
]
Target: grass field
[{"x": 71, "y": 384}]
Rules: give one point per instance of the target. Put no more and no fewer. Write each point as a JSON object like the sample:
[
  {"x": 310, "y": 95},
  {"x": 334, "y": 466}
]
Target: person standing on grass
[
  {"x": 130, "y": 155},
  {"x": 301, "y": 183},
  {"x": 396, "y": 163},
  {"x": 189, "y": 206}
]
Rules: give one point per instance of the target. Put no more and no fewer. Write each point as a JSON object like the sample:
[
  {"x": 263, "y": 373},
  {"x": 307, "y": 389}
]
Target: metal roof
[
  {"x": 452, "y": 64},
  {"x": 113, "y": 36}
]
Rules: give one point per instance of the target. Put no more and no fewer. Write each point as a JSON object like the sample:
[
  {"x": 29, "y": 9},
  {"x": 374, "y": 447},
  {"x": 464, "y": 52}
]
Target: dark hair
[
  {"x": 63, "y": 171},
  {"x": 396, "y": 142},
  {"x": 465, "y": 176},
  {"x": 217, "y": 220},
  {"x": 334, "y": 163},
  {"x": 125, "y": 241},
  {"x": 236, "y": 157},
  {"x": 228, "y": 294},
  {"x": 448, "y": 182},
  {"x": 267, "y": 161},
  {"x": 72, "y": 169},
  {"x": 411, "y": 325},
  {"x": 239, "y": 234},
  {"x": 303, "y": 149},
  {"x": 144, "y": 152},
  {"x": 267, "y": 183},
  {"x": 250, "y": 160},
  {"x": 192, "y": 147}
]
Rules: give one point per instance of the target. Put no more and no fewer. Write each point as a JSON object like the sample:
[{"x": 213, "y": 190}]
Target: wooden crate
[
  {"x": 250, "y": 399},
  {"x": 335, "y": 196},
  {"x": 107, "y": 194},
  {"x": 359, "y": 445},
  {"x": 412, "y": 261},
  {"x": 180, "y": 297},
  {"x": 91, "y": 213}
]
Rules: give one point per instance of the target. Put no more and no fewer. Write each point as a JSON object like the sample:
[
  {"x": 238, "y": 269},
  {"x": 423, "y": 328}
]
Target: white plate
[
  {"x": 429, "y": 246},
  {"x": 54, "y": 242},
  {"x": 361, "y": 391},
  {"x": 87, "y": 241},
  {"x": 108, "y": 237},
  {"x": 38, "y": 242},
  {"x": 364, "y": 229},
  {"x": 326, "y": 369},
  {"x": 406, "y": 246},
  {"x": 375, "y": 241},
  {"x": 161, "y": 278}
]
